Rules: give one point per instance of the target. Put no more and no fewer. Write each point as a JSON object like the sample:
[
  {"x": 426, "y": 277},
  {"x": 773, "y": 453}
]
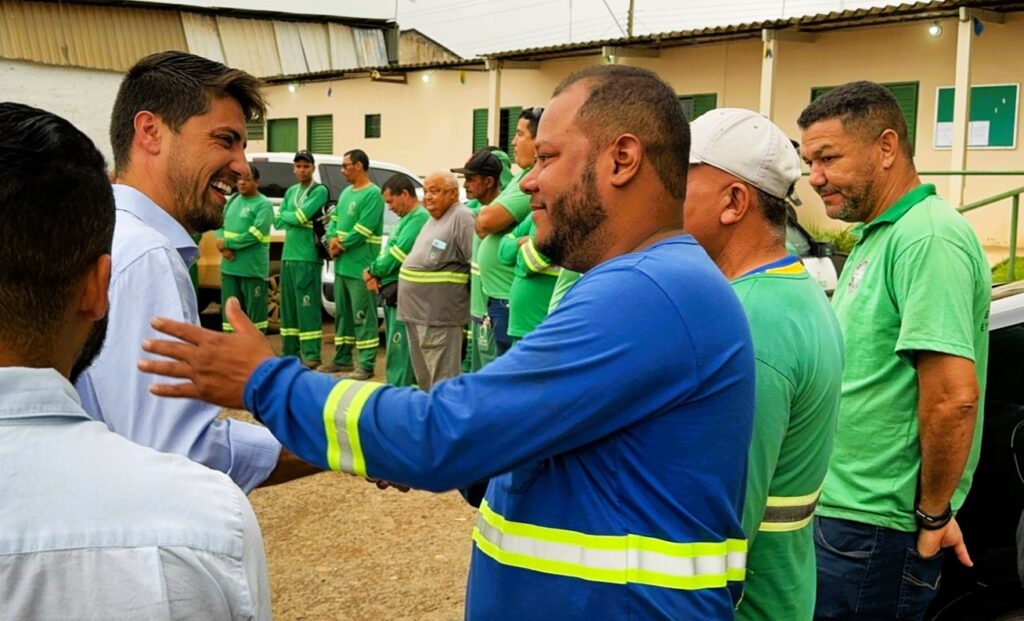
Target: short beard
[
  {"x": 92, "y": 347},
  {"x": 197, "y": 212},
  {"x": 576, "y": 216}
]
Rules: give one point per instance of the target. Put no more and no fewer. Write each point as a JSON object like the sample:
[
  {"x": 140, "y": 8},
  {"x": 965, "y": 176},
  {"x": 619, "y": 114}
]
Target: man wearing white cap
[{"x": 742, "y": 168}]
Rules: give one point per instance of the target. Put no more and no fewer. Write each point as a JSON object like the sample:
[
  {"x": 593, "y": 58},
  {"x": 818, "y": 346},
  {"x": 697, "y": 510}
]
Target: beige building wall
[{"x": 429, "y": 125}]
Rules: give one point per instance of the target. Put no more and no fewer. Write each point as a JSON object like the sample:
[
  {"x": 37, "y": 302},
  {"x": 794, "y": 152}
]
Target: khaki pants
[{"x": 436, "y": 352}]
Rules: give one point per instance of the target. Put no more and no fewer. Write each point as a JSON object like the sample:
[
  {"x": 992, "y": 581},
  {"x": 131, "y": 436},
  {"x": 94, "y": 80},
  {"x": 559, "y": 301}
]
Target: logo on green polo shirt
[{"x": 858, "y": 275}]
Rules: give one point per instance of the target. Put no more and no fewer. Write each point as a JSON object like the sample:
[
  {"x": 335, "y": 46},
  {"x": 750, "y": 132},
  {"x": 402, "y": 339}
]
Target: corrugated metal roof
[
  {"x": 250, "y": 44},
  {"x": 370, "y": 48},
  {"x": 289, "y": 47},
  {"x": 315, "y": 46},
  {"x": 811, "y": 23},
  {"x": 202, "y": 36},
  {"x": 343, "y": 47},
  {"x": 474, "y": 64}
]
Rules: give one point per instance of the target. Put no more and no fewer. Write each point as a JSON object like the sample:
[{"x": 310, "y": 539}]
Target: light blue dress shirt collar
[
  {"x": 35, "y": 393},
  {"x": 135, "y": 202}
]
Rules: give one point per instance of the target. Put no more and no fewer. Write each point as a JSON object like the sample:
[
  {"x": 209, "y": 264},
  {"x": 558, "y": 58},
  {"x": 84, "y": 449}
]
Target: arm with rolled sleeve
[
  {"x": 115, "y": 392},
  {"x": 371, "y": 213},
  {"x": 508, "y": 250},
  {"x": 466, "y": 429}
]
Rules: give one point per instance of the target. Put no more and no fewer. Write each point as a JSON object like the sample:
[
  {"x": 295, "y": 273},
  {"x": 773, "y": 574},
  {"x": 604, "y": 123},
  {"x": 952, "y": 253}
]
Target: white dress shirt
[
  {"x": 149, "y": 278},
  {"x": 93, "y": 526}
]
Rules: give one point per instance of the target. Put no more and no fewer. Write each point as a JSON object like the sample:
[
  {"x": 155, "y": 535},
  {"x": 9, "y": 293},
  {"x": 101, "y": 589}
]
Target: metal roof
[
  {"x": 835, "y": 20},
  {"x": 383, "y": 70}
]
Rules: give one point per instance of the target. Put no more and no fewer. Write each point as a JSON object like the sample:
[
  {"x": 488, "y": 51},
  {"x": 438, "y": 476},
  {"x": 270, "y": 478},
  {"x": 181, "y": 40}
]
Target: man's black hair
[
  {"x": 358, "y": 156},
  {"x": 864, "y": 108},
  {"x": 398, "y": 183}
]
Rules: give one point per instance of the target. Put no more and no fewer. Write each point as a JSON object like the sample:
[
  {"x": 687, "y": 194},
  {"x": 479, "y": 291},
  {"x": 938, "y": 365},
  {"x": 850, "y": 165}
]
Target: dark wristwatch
[{"x": 933, "y": 522}]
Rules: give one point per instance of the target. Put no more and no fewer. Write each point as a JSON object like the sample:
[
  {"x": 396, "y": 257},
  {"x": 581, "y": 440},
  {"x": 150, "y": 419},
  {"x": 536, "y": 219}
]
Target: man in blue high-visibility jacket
[{"x": 614, "y": 436}]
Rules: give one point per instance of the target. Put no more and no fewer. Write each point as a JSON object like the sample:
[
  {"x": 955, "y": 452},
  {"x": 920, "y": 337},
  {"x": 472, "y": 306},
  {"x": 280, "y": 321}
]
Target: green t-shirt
[
  {"x": 246, "y": 231},
  {"x": 917, "y": 280},
  {"x": 358, "y": 221},
  {"x": 533, "y": 282},
  {"x": 497, "y": 276},
  {"x": 566, "y": 279},
  {"x": 798, "y": 349},
  {"x": 298, "y": 208},
  {"x": 400, "y": 242}
]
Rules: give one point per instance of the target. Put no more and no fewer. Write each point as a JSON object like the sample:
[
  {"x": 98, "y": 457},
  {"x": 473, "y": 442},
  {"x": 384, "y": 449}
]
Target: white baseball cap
[{"x": 745, "y": 144}]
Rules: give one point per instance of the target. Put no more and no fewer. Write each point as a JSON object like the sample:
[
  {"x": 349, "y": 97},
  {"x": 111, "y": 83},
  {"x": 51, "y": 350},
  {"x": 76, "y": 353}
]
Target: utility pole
[{"x": 629, "y": 19}]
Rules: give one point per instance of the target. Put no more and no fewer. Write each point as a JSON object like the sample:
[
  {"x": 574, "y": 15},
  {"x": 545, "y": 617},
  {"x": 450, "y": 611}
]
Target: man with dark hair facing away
[
  {"x": 355, "y": 231},
  {"x": 616, "y": 473},
  {"x": 913, "y": 304},
  {"x": 244, "y": 245},
  {"x": 178, "y": 134},
  {"x": 94, "y": 526},
  {"x": 381, "y": 277}
]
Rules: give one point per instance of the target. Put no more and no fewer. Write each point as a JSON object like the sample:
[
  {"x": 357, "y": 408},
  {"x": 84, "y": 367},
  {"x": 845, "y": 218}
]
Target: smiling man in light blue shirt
[
  {"x": 92, "y": 526},
  {"x": 178, "y": 133}
]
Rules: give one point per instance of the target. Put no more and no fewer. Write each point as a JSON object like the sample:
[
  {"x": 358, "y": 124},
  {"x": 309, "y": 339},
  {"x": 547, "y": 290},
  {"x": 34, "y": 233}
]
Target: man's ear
[
  {"x": 93, "y": 303},
  {"x": 149, "y": 130},
  {"x": 626, "y": 154},
  {"x": 739, "y": 197},
  {"x": 889, "y": 147}
]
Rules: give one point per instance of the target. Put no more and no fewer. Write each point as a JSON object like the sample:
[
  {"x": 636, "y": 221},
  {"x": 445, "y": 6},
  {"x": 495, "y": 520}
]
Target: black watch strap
[{"x": 933, "y": 522}]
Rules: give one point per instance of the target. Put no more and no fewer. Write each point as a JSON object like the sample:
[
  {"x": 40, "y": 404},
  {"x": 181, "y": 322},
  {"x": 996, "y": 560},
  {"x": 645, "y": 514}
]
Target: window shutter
[
  {"x": 320, "y": 135},
  {"x": 703, "y": 103},
  {"x": 283, "y": 135},
  {"x": 479, "y": 129}
]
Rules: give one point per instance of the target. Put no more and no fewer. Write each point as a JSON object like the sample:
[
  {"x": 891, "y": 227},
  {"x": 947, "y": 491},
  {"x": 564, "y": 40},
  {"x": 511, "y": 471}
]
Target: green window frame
[
  {"x": 907, "y": 95},
  {"x": 283, "y": 135},
  {"x": 371, "y": 126},
  {"x": 507, "y": 128},
  {"x": 695, "y": 105},
  {"x": 320, "y": 133},
  {"x": 254, "y": 129}
]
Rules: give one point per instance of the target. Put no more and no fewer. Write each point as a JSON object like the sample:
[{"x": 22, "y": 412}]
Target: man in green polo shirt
[
  {"x": 498, "y": 218},
  {"x": 913, "y": 304},
  {"x": 533, "y": 282},
  {"x": 742, "y": 168},
  {"x": 244, "y": 244},
  {"x": 355, "y": 231},
  {"x": 301, "y": 326},
  {"x": 381, "y": 277}
]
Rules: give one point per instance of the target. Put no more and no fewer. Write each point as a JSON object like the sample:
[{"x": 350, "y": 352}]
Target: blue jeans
[
  {"x": 497, "y": 310},
  {"x": 868, "y": 572}
]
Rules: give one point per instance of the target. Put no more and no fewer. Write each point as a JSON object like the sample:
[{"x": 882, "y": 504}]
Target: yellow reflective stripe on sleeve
[
  {"x": 397, "y": 253},
  {"x": 367, "y": 344},
  {"x": 455, "y": 278},
  {"x": 341, "y": 425},
  {"x": 474, "y": 269},
  {"x": 373, "y": 239},
  {"x": 534, "y": 261},
  {"x": 301, "y": 217},
  {"x": 616, "y": 559},
  {"x": 554, "y": 270},
  {"x": 788, "y": 513},
  {"x": 363, "y": 230},
  {"x": 226, "y": 327},
  {"x": 311, "y": 335},
  {"x": 258, "y": 234},
  {"x": 230, "y": 234}
]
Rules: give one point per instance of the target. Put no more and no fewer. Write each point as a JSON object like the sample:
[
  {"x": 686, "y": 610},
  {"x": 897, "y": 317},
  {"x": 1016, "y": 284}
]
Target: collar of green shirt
[{"x": 897, "y": 210}]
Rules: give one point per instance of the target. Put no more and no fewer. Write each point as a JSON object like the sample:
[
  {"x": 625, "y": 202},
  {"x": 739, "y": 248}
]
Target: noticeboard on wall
[{"x": 992, "y": 118}]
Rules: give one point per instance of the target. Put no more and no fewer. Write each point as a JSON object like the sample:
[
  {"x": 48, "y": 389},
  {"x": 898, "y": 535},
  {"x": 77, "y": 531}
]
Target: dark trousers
[
  {"x": 868, "y": 572},
  {"x": 497, "y": 310}
]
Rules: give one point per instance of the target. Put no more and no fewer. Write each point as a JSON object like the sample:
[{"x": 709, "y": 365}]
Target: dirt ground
[{"x": 339, "y": 549}]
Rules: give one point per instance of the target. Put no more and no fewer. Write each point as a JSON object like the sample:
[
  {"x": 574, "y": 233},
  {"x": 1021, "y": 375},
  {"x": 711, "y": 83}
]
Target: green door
[
  {"x": 320, "y": 134},
  {"x": 283, "y": 135}
]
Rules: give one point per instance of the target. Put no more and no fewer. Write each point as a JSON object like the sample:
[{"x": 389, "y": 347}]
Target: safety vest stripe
[
  {"x": 309, "y": 336},
  {"x": 365, "y": 231},
  {"x": 789, "y": 513},
  {"x": 258, "y": 234},
  {"x": 398, "y": 254},
  {"x": 455, "y": 278},
  {"x": 618, "y": 559},
  {"x": 341, "y": 425},
  {"x": 534, "y": 261},
  {"x": 367, "y": 344}
]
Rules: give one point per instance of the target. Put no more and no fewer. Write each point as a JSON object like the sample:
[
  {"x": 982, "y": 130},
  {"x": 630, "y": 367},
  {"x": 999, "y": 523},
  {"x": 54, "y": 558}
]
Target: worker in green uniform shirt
[
  {"x": 534, "y": 279},
  {"x": 381, "y": 277},
  {"x": 742, "y": 170},
  {"x": 498, "y": 218},
  {"x": 566, "y": 279},
  {"x": 301, "y": 325},
  {"x": 355, "y": 231},
  {"x": 486, "y": 173},
  {"x": 244, "y": 245}
]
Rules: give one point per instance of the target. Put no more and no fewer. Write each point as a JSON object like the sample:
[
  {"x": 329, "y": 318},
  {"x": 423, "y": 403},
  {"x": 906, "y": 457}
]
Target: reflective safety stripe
[
  {"x": 373, "y": 239},
  {"x": 289, "y": 331},
  {"x": 341, "y": 425},
  {"x": 455, "y": 278},
  {"x": 230, "y": 234},
  {"x": 309, "y": 336},
  {"x": 344, "y": 340},
  {"x": 474, "y": 269},
  {"x": 788, "y": 513},
  {"x": 262, "y": 325},
  {"x": 301, "y": 217},
  {"x": 363, "y": 230},
  {"x": 258, "y": 234},
  {"x": 367, "y": 344},
  {"x": 616, "y": 559},
  {"x": 226, "y": 327},
  {"x": 533, "y": 259},
  {"x": 398, "y": 254},
  {"x": 554, "y": 270}
]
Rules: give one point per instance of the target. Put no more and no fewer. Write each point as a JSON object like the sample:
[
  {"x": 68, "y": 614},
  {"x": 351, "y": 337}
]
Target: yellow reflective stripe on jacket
[
  {"x": 341, "y": 425},
  {"x": 414, "y": 276},
  {"x": 363, "y": 230},
  {"x": 397, "y": 253},
  {"x": 373, "y": 239},
  {"x": 788, "y": 513},
  {"x": 301, "y": 217},
  {"x": 258, "y": 234},
  {"x": 231, "y": 234},
  {"x": 534, "y": 261},
  {"x": 616, "y": 559}
]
